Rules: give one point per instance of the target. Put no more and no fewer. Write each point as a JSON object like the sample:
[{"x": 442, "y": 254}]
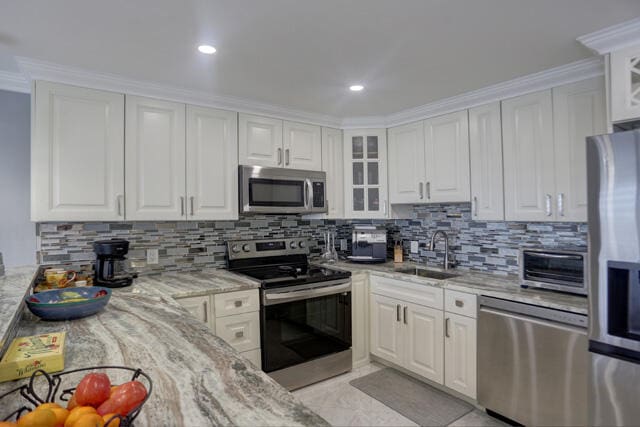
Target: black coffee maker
[{"x": 110, "y": 261}]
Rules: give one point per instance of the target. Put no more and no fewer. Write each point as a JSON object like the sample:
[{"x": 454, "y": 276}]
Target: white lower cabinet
[
  {"x": 423, "y": 341},
  {"x": 200, "y": 308},
  {"x": 234, "y": 316},
  {"x": 360, "y": 319},
  {"x": 407, "y": 334},
  {"x": 460, "y": 354},
  {"x": 438, "y": 345}
]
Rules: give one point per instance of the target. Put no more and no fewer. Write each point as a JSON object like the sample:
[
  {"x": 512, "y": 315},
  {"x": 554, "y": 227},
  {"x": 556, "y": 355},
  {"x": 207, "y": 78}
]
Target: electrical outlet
[
  {"x": 343, "y": 244},
  {"x": 414, "y": 247},
  {"x": 152, "y": 256}
]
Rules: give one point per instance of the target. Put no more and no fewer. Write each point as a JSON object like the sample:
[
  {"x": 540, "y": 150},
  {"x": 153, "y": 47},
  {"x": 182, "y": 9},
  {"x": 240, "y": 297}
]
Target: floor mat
[{"x": 421, "y": 403}]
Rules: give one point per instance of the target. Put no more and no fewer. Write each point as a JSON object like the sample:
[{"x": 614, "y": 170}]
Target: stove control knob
[
  {"x": 246, "y": 247},
  {"x": 235, "y": 249},
  {"x": 293, "y": 245},
  {"x": 302, "y": 244}
]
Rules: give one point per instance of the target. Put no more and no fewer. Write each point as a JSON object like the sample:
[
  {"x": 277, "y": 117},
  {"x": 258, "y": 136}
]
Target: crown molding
[
  {"x": 569, "y": 73},
  {"x": 613, "y": 38},
  {"x": 14, "y": 82},
  {"x": 41, "y": 70}
]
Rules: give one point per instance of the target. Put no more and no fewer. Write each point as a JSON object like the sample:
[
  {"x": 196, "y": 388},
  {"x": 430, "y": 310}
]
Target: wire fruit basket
[{"x": 44, "y": 388}]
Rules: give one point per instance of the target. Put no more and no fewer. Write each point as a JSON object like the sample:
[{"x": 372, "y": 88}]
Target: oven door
[
  {"x": 277, "y": 190},
  {"x": 305, "y": 322}
]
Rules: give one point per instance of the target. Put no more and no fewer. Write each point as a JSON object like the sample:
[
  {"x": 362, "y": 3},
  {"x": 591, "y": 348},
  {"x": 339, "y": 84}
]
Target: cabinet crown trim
[
  {"x": 34, "y": 69},
  {"x": 613, "y": 38}
]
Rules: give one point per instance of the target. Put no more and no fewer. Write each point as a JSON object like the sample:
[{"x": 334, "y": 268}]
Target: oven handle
[
  {"x": 282, "y": 297},
  {"x": 556, "y": 256}
]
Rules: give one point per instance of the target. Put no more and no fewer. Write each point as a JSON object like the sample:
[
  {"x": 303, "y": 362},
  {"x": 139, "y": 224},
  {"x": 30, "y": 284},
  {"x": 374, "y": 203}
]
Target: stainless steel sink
[{"x": 429, "y": 274}]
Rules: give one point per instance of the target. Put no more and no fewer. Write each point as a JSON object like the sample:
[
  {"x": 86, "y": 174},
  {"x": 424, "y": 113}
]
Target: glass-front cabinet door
[{"x": 366, "y": 173}]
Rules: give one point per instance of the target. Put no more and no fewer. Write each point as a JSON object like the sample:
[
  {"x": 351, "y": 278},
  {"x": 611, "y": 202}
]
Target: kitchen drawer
[
  {"x": 460, "y": 303},
  {"x": 200, "y": 308},
  {"x": 425, "y": 295},
  {"x": 254, "y": 357},
  {"x": 241, "y": 331},
  {"x": 239, "y": 302}
]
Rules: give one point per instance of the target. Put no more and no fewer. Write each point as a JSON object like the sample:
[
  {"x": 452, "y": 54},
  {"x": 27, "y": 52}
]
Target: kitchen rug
[{"x": 421, "y": 403}]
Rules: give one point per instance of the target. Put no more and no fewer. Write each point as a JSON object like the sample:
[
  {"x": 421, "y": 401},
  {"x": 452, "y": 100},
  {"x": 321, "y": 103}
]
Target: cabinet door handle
[
  {"x": 191, "y": 203},
  {"x": 421, "y": 190},
  {"x": 279, "y": 156},
  {"x": 548, "y": 202},
  {"x": 286, "y": 157},
  {"x": 561, "y": 204},
  {"x": 404, "y": 314},
  {"x": 206, "y": 312},
  {"x": 475, "y": 206},
  {"x": 459, "y": 303},
  {"x": 384, "y": 207},
  {"x": 181, "y": 205},
  {"x": 119, "y": 203},
  {"x": 397, "y": 312},
  {"x": 446, "y": 328},
  {"x": 428, "y": 190}
]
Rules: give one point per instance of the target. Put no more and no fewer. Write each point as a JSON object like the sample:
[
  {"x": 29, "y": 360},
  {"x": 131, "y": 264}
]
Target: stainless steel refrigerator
[{"x": 613, "y": 170}]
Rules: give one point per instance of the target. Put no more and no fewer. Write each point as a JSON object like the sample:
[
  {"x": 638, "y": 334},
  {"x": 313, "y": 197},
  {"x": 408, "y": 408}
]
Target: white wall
[{"x": 17, "y": 233}]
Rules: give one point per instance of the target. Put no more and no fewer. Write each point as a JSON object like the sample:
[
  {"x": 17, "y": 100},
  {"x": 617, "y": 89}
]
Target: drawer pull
[
  {"x": 239, "y": 334},
  {"x": 238, "y": 303},
  {"x": 459, "y": 303}
]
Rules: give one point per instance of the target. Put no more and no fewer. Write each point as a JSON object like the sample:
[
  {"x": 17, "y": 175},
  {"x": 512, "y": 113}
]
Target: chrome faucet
[{"x": 432, "y": 246}]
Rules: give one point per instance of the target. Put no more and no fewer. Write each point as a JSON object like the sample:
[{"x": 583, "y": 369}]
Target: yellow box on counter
[{"x": 25, "y": 355}]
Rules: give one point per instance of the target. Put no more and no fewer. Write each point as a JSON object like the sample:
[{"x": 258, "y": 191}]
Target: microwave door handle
[{"x": 307, "y": 194}]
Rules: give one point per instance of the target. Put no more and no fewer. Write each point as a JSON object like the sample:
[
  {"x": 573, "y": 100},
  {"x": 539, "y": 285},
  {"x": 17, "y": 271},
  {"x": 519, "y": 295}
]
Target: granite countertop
[
  {"x": 13, "y": 288},
  {"x": 499, "y": 286},
  {"x": 198, "y": 379},
  {"x": 184, "y": 285}
]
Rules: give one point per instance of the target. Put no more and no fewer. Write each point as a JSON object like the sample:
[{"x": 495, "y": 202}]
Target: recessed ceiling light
[
  {"x": 356, "y": 88},
  {"x": 207, "y": 49}
]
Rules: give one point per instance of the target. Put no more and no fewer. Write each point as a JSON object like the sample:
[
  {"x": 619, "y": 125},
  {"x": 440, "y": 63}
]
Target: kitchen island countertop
[{"x": 198, "y": 379}]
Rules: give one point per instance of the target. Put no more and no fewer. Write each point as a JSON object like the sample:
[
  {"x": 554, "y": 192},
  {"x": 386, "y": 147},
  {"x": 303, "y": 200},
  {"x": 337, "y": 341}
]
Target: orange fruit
[
  {"x": 48, "y": 406},
  {"x": 113, "y": 389},
  {"x": 76, "y": 413},
  {"x": 38, "y": 418},
  {"x": 89, "y": 420},
  {"x": 114, "y": 423},
  {"x": 10, "y": 424},
  {"x": 61, "y": 415}
]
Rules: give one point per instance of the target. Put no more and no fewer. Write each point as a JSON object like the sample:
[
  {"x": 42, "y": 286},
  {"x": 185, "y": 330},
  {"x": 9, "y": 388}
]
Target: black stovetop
[{"x": 282, "y": 275}]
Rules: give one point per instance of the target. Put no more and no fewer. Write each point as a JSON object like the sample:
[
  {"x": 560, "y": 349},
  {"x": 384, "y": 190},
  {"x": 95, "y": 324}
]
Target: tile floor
[{"x": 341, "y": 404}]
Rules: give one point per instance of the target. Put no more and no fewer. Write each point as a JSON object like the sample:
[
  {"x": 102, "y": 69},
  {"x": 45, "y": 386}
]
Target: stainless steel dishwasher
[{"x": 532, "y": 363}]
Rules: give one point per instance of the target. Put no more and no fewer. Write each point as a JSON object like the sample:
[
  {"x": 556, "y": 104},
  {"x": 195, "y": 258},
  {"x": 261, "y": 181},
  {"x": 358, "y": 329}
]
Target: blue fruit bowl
[{"x": 68, "y": 303}]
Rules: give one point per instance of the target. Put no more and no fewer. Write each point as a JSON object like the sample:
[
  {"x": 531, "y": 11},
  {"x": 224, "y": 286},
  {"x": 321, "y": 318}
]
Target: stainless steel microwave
[
  {"x": 281, "y": 191},
  {"x": 558, "y": 270}
]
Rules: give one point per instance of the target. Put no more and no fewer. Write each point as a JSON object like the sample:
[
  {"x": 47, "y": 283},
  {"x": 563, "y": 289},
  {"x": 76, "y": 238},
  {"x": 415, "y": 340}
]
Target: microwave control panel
[{"x": 318, "y": 194}]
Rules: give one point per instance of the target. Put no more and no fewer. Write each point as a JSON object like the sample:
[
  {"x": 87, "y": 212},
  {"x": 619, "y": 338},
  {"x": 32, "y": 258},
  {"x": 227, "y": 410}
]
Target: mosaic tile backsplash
[{"x": 190, "y": 246}]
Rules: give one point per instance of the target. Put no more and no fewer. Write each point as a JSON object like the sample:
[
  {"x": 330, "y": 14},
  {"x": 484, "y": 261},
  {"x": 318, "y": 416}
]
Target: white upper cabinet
[
  {"x": 447, "y": 158},
  {"x": 407, "y": 176},
  {"x": 155, "y": 159},
  {"x": 212, "y": 164},
  {"x": 625, "y": 84},
  {"x": 77, "y": 154},
  {"x": 365, "y": 173},
  {"x": 333, "y": 165},
  {"x": 528, "y": 151},
  {"x": 302, "y": 146},
  {"x": 578, "y": 111},
  {"x": 260, "y": 141},
  {"x": 485, "y": 152}
]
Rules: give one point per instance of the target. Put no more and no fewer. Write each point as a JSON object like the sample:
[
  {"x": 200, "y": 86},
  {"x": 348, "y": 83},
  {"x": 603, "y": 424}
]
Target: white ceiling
[{"x": 303, "y": 54}]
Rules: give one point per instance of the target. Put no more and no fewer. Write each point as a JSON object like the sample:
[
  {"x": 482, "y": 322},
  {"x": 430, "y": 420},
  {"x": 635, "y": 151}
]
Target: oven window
[
  {"x": 555, "y": 268},
  {"x": 300, "y": 331},
  {"x": 275, "y": 192}
]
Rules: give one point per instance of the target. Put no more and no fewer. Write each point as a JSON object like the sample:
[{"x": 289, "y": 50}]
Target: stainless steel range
[{"x": 305, "y": 312}]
